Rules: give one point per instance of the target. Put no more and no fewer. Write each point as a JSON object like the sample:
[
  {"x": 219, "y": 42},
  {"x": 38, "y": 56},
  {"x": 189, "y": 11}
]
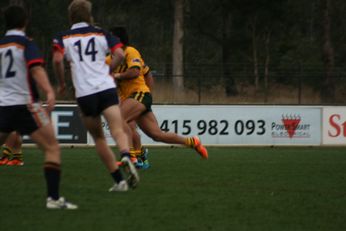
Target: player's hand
[{"x": 116, "y": 76}]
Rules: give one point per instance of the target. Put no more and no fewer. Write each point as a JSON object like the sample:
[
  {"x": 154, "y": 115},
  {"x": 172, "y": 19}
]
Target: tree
[
  {"x": 328, "y": 88},
  {"x": 178, "y": 47}
]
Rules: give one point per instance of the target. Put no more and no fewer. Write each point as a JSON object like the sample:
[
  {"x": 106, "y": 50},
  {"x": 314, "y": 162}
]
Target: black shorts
[
  {"x": 144, "y": 98},
  {"x": 19, "y": 118},
  {"x": 94, "y": 104}
]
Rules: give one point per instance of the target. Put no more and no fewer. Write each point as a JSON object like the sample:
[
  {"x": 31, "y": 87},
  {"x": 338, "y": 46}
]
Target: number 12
[{"x": 9, "y": 72}]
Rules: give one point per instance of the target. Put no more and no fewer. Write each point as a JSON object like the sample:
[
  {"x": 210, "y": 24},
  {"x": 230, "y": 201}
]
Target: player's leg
[
  {"x": 131, "y": 109},
  {"x": 13, "y": 146},
  {"x": 136, "y": 139},
  {"x": 149, "y": 125},
  {"x": 45, "y": 138},
  {"x": 116, "y": 125},
  {"x": 93, "y": 125},
  {"x": 138, "y": 150},
  {"x": 92, "y": 106},
  {"x": 5, "y": 157},
  {"x": 8, "y": 123}
]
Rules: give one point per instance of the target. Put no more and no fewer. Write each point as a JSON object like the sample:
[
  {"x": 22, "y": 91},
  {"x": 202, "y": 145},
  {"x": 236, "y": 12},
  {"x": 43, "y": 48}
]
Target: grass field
[{"x": 236, "y": 189}]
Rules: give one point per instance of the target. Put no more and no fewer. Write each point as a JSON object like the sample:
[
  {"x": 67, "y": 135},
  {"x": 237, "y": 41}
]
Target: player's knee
[{"x": 52, "y": 150}]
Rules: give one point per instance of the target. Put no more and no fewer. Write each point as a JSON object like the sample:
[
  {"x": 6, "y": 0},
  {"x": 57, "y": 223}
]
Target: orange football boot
[
  {"x": 4, "y": 160},
  {"x": 15, "y": 162},
  {"x": 202, "y": 151}
]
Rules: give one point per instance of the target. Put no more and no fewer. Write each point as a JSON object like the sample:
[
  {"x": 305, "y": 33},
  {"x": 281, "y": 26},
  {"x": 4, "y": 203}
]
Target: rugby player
[
  {"x": 136, "y": 99},
  {"x": 85, "y": 47},
  {"x": 21, "y": 74}
]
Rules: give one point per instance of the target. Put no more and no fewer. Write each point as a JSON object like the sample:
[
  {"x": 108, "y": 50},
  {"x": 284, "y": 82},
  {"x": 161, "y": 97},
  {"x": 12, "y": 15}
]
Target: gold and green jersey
[{"x": 133, "y": 59}]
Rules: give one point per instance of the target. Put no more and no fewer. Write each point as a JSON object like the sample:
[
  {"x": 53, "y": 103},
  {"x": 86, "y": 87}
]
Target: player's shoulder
[
  {"x": 17, "y": 39},
  {"x": 132, "y": 50},
  {"x": 81, "y": 31}
]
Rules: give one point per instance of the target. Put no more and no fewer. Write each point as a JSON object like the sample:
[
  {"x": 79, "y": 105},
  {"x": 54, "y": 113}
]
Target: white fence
[{"x": 227, "y": 125}]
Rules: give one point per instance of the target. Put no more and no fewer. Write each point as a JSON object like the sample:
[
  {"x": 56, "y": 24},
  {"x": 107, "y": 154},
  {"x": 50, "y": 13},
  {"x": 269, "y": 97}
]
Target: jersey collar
[
  {"x": 79, "y": 25},
  {"x": 15, "y": 32}
]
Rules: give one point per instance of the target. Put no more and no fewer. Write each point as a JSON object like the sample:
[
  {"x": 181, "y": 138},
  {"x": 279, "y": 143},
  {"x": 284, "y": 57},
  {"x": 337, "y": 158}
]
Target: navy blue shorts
[
  {"x": 94, "y": 104},
  {"x": 19, "y": 118}
]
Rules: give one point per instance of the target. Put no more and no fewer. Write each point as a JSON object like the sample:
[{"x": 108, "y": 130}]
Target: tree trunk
[
  {"x": 178, "y": 47},
  {"x": 266, "y": 65},
  {"x": 254, "y": 53},
  {"x": 267, "y": 60},
  {"x": 328, "y": 89},
  {"x": 230, "y": 84}
]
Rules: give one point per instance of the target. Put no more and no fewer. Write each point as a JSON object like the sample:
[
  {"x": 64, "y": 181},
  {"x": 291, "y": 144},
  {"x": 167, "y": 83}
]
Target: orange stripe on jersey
[
  {"x": 82, "y": 35},
  {"x": 19, "y": 46}
]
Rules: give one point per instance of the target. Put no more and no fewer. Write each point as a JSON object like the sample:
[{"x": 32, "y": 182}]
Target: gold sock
[
  {"x": 134, "y": 152},
  {"x": 18, "y": 155},
  {"x": 190, "y": 142},
  {"x": 7, "y": 151}
]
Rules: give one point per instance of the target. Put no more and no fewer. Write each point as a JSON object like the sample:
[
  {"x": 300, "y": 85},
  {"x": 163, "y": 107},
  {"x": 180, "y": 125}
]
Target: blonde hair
[{"x": 80, "y": 11}]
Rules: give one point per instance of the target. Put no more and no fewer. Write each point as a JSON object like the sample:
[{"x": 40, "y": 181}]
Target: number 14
[{"x": 89, "y": 50}]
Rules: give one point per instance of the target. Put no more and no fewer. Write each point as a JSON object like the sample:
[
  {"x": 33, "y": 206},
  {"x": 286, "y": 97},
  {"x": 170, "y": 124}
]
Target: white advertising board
[
  {"x": 239, "y": 125},
  {"x": 334, "y": 125}
]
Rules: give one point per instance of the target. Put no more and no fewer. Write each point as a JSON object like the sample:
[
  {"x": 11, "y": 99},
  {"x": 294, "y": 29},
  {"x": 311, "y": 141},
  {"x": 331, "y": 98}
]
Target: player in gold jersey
[{"x": 136, "y": 99}]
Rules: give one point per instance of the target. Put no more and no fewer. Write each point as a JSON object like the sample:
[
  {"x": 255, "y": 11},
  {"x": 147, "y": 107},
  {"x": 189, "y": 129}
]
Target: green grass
[{"x": 236, "y": 189}]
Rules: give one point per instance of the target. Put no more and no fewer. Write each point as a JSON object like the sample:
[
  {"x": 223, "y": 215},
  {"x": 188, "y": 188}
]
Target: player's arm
[
  {"x": 149, "y": 80},
  {"x": 148, "y": 77},
  {"x": 130, "y": 73},
  {"x": 59, "y": 70},
  {"x": 41, "y": 78},
  {"x": 118, "y": 56}
]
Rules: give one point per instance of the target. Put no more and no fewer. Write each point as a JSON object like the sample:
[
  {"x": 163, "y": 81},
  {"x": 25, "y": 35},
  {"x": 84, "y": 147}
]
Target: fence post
[
  {"x": 300, "y": 85},
  {"x": 199, "y": 89}
]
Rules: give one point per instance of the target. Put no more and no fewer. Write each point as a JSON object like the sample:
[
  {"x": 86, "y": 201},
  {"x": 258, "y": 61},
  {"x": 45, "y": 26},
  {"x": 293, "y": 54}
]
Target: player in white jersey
[
  {"x": 85, "y": 47},
  {"x": 21, "y": 72}
]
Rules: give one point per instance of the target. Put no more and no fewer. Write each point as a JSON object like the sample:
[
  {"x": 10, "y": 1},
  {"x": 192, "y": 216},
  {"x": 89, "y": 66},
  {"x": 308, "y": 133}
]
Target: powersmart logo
[
  {"x": 291, "y": 123},
  {"x": 291, "y": 126}
]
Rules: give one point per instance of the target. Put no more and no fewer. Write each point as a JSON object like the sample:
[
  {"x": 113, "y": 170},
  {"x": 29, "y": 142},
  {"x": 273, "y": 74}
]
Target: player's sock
[
  {"x": 125, "y": 154},
  {"x": 142, "y": 152},
  {"x": 18, "y": 156},
  {"x": 6, "y": 152},
  {"x": 135, "y": 157},
  {"x": 189, "y": 142},
  {"x": 135, "y": 152},
  {"x": 16, "y": 160},
  {"x": 117, "y": 176},
  {"x": 6, "y": 155},
  {"x": 52, "y": 174}
]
